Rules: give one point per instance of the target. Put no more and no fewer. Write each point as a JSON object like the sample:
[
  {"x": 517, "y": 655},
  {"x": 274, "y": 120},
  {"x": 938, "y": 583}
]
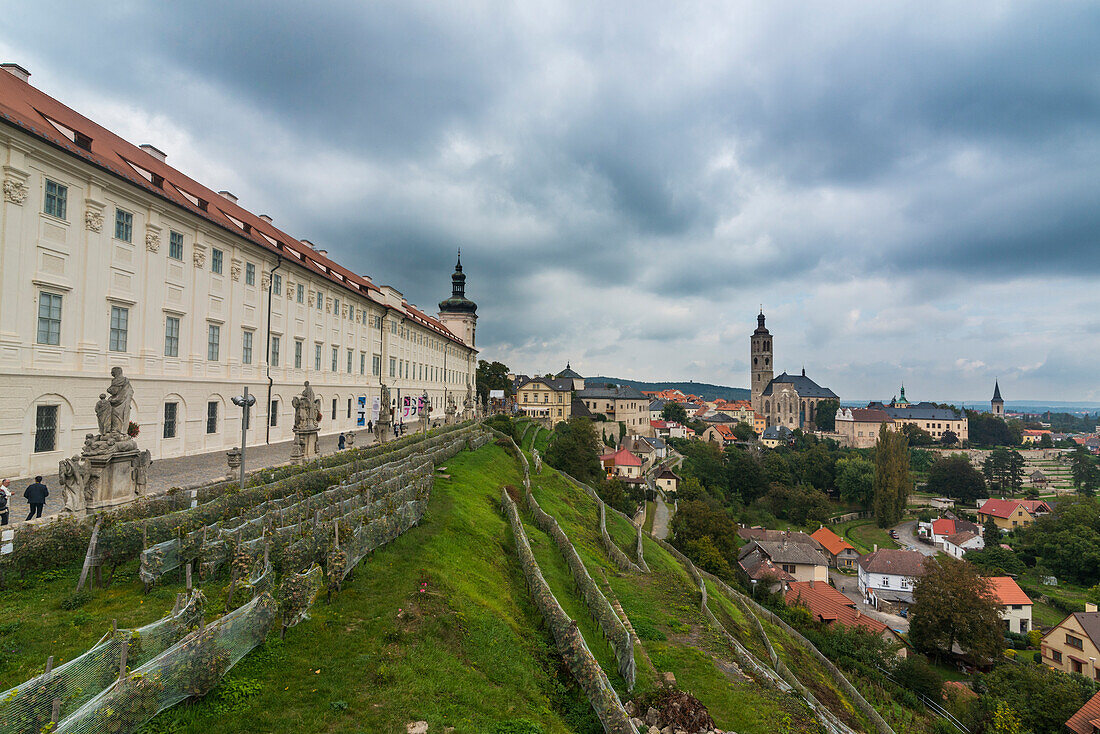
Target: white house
[
  {"x": 888, "y": 575},
  {"x": 1015, "y": 605},
  {"x": 958, "y": 544}
]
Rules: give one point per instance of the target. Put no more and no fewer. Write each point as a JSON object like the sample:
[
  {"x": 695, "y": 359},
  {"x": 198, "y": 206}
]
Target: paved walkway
[
  {"x": 181, "y": 471},
  {"x": 660, "y": 519},
  {"x": 907, "y": 539},
  {"x": 849, "y": 586}
]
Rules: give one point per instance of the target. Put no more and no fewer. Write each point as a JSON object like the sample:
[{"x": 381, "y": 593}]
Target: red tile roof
[
  {"x": 34, "y": 112},
  {"x": 830, "y": 541},
  {"x": 943, "y": 526},
  {"x": 622, "y": 457},
  {"x": 1000, "y": 508},
  {"x": 828, "y": 605},
  {"x": 1087, "y": 718},
  {"x": 1034, "y": 506},
  {"x": 1006, "y": 591}
]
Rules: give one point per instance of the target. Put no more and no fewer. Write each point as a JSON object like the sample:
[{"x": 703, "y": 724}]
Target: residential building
[
  {"x": 830, "y": 607},
  {"x": 1010, "y": 514},
  {"x": 787, "y": 400},
  {"x": 112, "y": 258},
  {"x": 943, "y": 527},
  {"x": 1014, "y": 604},
  {"x": 668, "y": 481},
  {"x": 1087, "y": 718},
  {"x": 759, "y": 424},
  {"x": 776, "y": 536},
  {"x": 657, "y": 409},
  {"x": 800, "y": 561},
  {"x": 739, "y": 410},
  {"x": 1033, "y": 436},
  {"x": 719, "y": 434},
  {"x": 887, "y": 575},
  {"x": 775, "y": 436},
  {"x": 541, "y": 397},
  {"x": 1073, "y": 646},
  {"x": 621, "y": 404},
  {"x": 859, "y": 427},
  {"x": 840, "y": 552},
  {"x": 956, "y": 545},
  {"x": 622, "y": 464},
  {"x": 669, "y": 429}
]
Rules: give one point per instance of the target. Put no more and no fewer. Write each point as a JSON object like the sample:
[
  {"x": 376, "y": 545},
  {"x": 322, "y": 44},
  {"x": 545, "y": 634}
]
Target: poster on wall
[
  {"x": 361, "y": 418},
  {"x": 375, "y": 409},
  {"x": 409, "y": 410}
]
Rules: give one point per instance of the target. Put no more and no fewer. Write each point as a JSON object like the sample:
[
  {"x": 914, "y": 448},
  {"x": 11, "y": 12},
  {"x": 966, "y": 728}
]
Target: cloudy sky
[{"x": 911, "y": 192}]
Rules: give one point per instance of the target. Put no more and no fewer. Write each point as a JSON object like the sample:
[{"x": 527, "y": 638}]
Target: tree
[
  {"x": 952, "y": 604},
  {"x": 1004, "y": 470},
  {"x": 991, "y": 531},
  {"x": 817, "y": 467},
  {"x": 987, "y": 430},
  {"x": 949, "y": 438},
  {"x": 1005, "y": 721},
  {"x": 1042, "y": 697},
  {"x": 892, "y": 481},
  {"x": 743, "y": 432},
  {"x": 801, "y": 504},
  {"x": 1086, "y": 477},
  {"x": 914, "y": 672},
  {"x": 1046, "y": 441},
  {"x": 674, "y": 412},
  {"x": 995, "y": 560},
  {"x": 492, "y": 376},
  {"x": 917, "y": 436},
  {"x": 855, "y": 480},
  {"x": 825, "y": 417},
  {"x": 696, "y": 521},
  {"x": 954, "y": 476},
  {"x": 575, "y": 449}
]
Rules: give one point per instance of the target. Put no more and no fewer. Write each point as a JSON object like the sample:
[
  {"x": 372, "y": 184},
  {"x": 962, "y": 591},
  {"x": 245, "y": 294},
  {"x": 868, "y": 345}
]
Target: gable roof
[
  {"x": 1001, "y": 508},
  {"x": 830, "y": 541},
  {"x": 1035, "y": 506},
  {"x": 775, "y": 535},
  {"x": 804, "y": 386},
  {"x": 667, "y": 473},
  {"x": 786, "y": 552},
  {"x": 1087, "y": 718},
  {"x": 924, "y": 411},
  {"x": 37, "y": 114},
  {"x": 618, "y": 392},
  {"x": 828, "y": 605},
  {"x": 960, "y": 539},
  {"x": 622, "y": 457},
  {"x": 758, "y": 566},
  {"x": 578, "y": 409},
  {"x": 557, "y": 385},
  {"x": 893, "y": 561},
  {"x": 1006, "y": 591},
  {"x": 776, "y": 433},
  {"x": 943, "y": 526}
]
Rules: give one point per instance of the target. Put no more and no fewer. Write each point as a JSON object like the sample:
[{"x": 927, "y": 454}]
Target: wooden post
[
  {"x": 336, "y": 527},
  {"x": 56, "y": 713},
  {"x": 176, "y": 606},
  {"x": 90, "y": 554},
  {"x": 188, "y": 577},
  {"x": 49, "y": 665},
  {"x": 122, "y": 660},
  {"x": 144, "y": 535},
  {"x": 114, "y": 626}
]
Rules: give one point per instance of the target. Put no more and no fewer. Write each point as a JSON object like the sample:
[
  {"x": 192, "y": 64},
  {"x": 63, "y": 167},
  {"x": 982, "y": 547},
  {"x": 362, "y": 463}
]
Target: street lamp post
[{"x": 244, "y": 402}]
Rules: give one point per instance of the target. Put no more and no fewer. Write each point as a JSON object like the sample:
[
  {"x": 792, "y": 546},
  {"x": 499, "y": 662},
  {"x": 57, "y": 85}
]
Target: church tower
[
  {"x": 996, "y": 404},
  {"x": 458, "y": 313},
  {"x": 760, "y": 355}
]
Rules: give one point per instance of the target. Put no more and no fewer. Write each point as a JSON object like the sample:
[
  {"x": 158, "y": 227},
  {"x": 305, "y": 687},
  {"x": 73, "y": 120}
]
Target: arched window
[{"x": 767, "y": 406}]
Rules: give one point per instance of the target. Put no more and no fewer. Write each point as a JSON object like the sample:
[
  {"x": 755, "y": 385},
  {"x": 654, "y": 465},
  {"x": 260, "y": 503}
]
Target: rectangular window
[
  {"x": 249, "y": 274},
  {"x": 334, "y": 408},
  {"x": 213, "y": 342},
  {"x": 216, "y": 257},
  {"x": 349, "y": 407},
  {"x": 212, "y": 416},
  {"x": 362, "y": 363},
  {"x": 376, "y": 364},
  {"x": 124, "y": 226},
  {"x": 336, "y": 307},
  {"x": 1056, "y": 656},
  {"x": 120, "y": 324},
  {"x": 275, "y": 349},
  {"x": 175, "y": 245},
  {"x": 320, "y": 300},
  {"x": 170, "y": 419},
  {"x": 57, "y": 199},
  {"x": 171, "y": 336},
  {"x": 246, "y": 347},
  {"x": 49, "y": 318},
  {"x": 301, "y": 293},
  {"x": 273, "y": 414},
  {"x": 297, "y": 354},
  {"x": 335, "y": 359},
  {"x": 393, "y": 327},
  {"x": 393, "y": 367},
  {"x": 276, "y": 283},
  {"x": 1074, "y": 642},
  {"x": 317, "y": 357},
  {"x": 349, "y": 361},
  {"x": 45, "y": 428}
]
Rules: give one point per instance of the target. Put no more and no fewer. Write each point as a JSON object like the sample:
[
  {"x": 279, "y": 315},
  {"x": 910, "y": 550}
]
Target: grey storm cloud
[{"x": 622, "y": 176}]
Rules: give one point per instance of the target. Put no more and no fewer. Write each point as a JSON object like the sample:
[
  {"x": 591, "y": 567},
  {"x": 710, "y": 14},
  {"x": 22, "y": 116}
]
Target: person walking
[
  {"x": 341, "y": 442},
  {"x": 370, "y": 426},
  {"x": 36, "y": 495},
  {"x": 5, "y": 501}
]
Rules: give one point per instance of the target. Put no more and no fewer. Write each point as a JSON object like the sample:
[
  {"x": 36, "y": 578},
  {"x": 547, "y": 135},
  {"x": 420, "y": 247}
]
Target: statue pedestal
[
  {"x": 383, "y": 432},
  {"x": 111, "y": 480},
  {"x": 305, "y": 446}
]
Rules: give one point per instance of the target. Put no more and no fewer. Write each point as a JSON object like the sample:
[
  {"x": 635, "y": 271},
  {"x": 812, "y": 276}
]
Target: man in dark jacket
[{"x": 36, "y": 495}]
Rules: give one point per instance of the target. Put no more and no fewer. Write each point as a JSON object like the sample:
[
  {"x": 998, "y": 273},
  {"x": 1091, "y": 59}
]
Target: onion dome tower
[{"x": 458, "y": 313}]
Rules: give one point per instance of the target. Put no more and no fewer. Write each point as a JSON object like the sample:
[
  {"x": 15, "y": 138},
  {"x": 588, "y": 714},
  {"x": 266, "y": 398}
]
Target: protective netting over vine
[
  {"x": 27, "y": 708},
  {"x": 191, "y": 668}
]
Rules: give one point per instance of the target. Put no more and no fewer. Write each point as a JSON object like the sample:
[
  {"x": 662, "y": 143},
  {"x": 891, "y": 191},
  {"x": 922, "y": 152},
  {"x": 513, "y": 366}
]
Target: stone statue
[
  {"x": 384, "y": 414},
  {"x": 121, "y": 392},
  {"x": 73, "y": 477},
  {"x": 425, "y": 411},
  {"x": 103, "y": 414},
  {"x": 450, "y": 409},
  {"x": 307, "y": 406},
  {"x": 469, "y": 404},
  {"x": 141, "y": 471}
]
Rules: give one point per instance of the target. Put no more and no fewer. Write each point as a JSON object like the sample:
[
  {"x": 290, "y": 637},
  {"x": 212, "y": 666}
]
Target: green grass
[
  {"x": 864, "y": 535},
  {"x": 650, "y": 514}
]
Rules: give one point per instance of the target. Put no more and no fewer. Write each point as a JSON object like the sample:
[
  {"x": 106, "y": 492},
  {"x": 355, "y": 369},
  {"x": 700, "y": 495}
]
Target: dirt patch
[{"x": 677, "y": 709}]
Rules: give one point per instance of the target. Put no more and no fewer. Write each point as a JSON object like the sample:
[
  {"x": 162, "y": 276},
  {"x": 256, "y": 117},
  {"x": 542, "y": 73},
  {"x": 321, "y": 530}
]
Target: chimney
[
  {"x": 1090, "y": 607},
  {"x": 17, "y": 71},
  {"x": 811, "y": 583},
  {"x": 322, "y": 252},
  {"x": 310, "y": 244},
  {"x": 366, "y": 278},
  {"x": 876, "y": 548},
  {"x": 266, "y": 217},
  {"x": 231, "y": 197},
  {"x": 154, "y": 151}
]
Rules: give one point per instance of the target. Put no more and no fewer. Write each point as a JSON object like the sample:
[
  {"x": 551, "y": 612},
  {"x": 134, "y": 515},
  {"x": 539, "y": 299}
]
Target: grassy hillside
[{"x": 438, "y": 626}]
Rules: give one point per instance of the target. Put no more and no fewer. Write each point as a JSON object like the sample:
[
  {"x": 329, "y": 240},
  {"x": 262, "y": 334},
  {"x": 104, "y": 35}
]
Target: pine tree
[{"x": 892, "y": 481}]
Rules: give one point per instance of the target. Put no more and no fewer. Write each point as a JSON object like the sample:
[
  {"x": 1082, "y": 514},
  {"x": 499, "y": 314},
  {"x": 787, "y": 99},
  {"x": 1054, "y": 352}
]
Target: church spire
[{"x": 996, "y": 390}]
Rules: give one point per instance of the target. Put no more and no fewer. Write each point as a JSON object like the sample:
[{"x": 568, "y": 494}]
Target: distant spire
[
  {"x": 997, "y": 390},
  {"x": 803, "y": 370}
]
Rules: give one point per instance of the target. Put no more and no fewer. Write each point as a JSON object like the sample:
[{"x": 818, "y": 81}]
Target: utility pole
[{"x": 245, "y": 402}]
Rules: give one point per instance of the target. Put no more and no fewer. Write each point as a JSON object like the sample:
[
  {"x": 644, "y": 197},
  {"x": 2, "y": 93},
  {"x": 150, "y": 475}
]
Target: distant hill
[{"x": 702, "y": 389}]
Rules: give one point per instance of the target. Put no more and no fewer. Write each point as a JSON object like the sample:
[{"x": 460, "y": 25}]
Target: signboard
[
  {"x": 361, "y": 417},
  {"x": 409, "y": 407},
  {"x": 496, "y": 395}
]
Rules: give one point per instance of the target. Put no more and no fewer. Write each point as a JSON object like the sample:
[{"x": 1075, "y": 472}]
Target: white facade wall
[
  {"x": 883, "y": 582},
  {"x": 79, "y": 259},
  {"x": 1017, "y": 617}
]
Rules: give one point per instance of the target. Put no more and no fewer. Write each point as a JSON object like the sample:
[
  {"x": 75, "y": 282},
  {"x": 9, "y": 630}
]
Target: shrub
[
  {"x": 916, "y": 674},
  {"x": 75, "y": 600}
]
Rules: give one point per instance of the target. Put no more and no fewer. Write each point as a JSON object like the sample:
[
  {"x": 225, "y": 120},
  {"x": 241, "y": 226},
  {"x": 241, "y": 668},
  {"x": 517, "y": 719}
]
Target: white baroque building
[{"x": 109, "y": 257}]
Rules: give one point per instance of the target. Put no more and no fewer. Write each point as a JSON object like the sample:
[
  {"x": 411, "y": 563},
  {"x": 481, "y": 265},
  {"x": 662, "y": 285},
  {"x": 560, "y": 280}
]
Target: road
[
  {"x": 660, "y": 519},
  {"x": 848, "y": 586},
  {"x": 907, "y": 538}
]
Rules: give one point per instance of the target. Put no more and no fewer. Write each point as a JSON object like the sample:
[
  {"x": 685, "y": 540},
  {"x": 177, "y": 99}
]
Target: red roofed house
[
  {"x": 840, "y": 553},
  {"x": 859, "y": 427},
  {"x": 1014, "y": 603},
  {"x": 956, "y": 545},
  {"x": 1007, "y": 514},
  {"x": 829, "y": 606},
  {"x": 622, "y": 464},
  {"x": 1087, "y": 718},
  {"x": 719, "y": 434}
]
